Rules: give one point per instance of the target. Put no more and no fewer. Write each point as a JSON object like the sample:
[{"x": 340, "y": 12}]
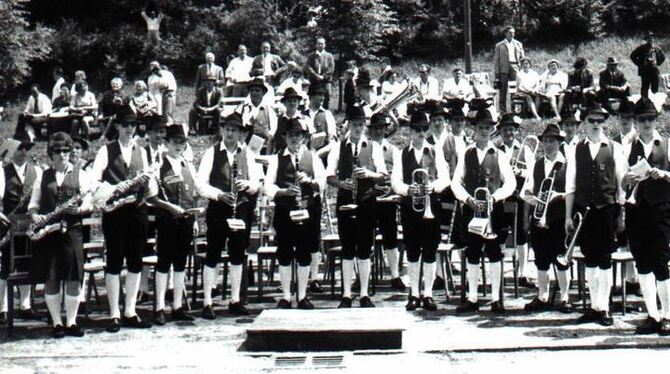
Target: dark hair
[
  {"x": 58, "y": 70},
  {"x": 79, "y": 86},
  {"x": 508, "y": 28},
  {"x": 58, "y": 139}
]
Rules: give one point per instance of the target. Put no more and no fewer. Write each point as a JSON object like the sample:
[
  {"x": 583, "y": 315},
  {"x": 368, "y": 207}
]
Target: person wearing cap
[
  {"x": 267, "y": 65},
  {"x": 215, "y": 178},
  {"x": 124, "y": 228},
  {"x": 291, "y": 101},
  {"x": 528, "y": 85},
  {"x": 457, "y": 124},
  {"x": 172, "y": 192},
  {"x": 322, "y": 119},
  {"x": 553, "y": 83},
  {"x": 647, "y": 219},
  {"x": 593, "y": 180},
  {"x": 295, "y": 180},
  {"x": 428, "y": 86},
  {"x": 581, "y": 89},
  {"x": 208, "y": 69},
  {"x": 366, "y": 93},
  {"x": 648, "y": 57},
  {"x": 35, "y": 114},
  {"x": 237, "y": 72},
  {"x": 506, "y": 57},
  {"x": 569, "y": 124},
  {"x": 483, "y": 165},
  {"x": 295, "y": 80},
  {"x": 548, "y": 238},
  {"x": 508, "y": 128},
  {"x": 16, "y": 182},
  {"x": 207, "y": 104},
  {"x": 613, "y": 84},
  {"x": 58, "y": 258},
  {"x": 457, "y": 87},
  {"x": 421, "y": 232},
  {"x": 355, "y": 164},
  {"x": 257, "y": 114},
  {"x": 320, "y": 67}
]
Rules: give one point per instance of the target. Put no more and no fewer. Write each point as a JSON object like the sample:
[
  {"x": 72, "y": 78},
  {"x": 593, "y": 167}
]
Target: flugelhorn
[
  {"x": 544, "y": 197},
  {"x": 480, "y": 223},
  {"x": 571, "y": 239},
  {"x": 533, "y": 143},
  {"x": 421, "y": 202}
]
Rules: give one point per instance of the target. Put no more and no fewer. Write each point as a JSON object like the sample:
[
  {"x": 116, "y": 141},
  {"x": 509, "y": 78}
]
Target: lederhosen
[
  {"x": 125, "y": 228},
  {"x": 385, "y": 222},
  {"x": 296, "y": 241},
  {"x": 521, "y": 227},
  {"x": 486, "y": 174},
  {"x": 59, "y": 256},
  {"x": 218, "y": 232},
  {"x": 356, "y": 228},
  {"x": 596, "y": 187},
  {"x": 15, "y": 190},
  {"x": 549, "y": 242},
  {"x": 174, "y": 234},
  {"x": 421, "y": 236},
  {"x": 648, "y": 222}
]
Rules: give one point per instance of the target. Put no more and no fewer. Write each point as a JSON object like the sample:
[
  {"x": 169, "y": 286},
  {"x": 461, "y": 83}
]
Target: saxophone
[{"x": 37, "y": 231}]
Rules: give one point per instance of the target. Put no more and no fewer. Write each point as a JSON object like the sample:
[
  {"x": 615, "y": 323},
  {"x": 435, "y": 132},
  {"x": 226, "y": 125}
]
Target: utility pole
[{"x": 467, "y": 36}]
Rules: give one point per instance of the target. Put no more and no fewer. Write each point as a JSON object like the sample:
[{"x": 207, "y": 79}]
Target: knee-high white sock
[
  {"x": 522, "y": 252},
  {"x": 179, "y": 287},
  {"x": 217, "y": 275},
  {"x": 161, "y": 287},
  {"x": 53, "y": 304},
  {"x": 664, "y": 294},
  {"x": 347, "y": 273},
  {"x": 82, "y": 294},
  {"x": 112, "y": 285},
  {"x": 563, "y": 278},
  {"x": 144, "y": 279},
  {"x": 393, "y": 256},
  {"x": 428, "y": 278},
  {"x": 132, "y": 286},
  {"x": 71, "y": 308},
  {"x": 314, "y": 266},
  {"x": 592, "y": 278},
  {"x": 413, "y": 271},
  {"x": 438, "y": 265},
  {"x": 604, "y": 288},
  {"x": 285, "y": 275},
  {"x": 24, "y": 301},
  {"x": 543, "y": 285},
  {"x": 170, "y": 284},
  {"x": 208, "y": 282},
  {"x": 364, "y": 272},
  {"x": 3, "y": 296},
  {"x": 303, "y": 277},
  {"x": 473, "y": 282},
  {"x": 496, "y": 280},
  {"x": 236, "y": 282},
  {"x": 648, "y": 287}
]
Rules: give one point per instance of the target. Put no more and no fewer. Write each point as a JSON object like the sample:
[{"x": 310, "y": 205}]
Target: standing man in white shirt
[
  {"x": 268, "y": 65},
  {"x": 506, "y": 58},
  {"x": 237, "y": 72}
]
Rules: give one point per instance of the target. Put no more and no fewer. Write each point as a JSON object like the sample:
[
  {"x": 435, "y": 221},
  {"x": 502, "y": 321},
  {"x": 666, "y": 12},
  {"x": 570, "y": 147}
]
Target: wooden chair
[{"x": 94, "y": 261}]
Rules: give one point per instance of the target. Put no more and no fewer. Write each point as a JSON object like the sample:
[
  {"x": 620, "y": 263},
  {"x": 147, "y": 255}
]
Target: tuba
[
  {"x": 421, "y": 202},
  {"x": 480, "y": 223},
  {"x": 571, "y": 240},
  {"x": 409, "y": 93},
  {"x": 544, "y": 196}
]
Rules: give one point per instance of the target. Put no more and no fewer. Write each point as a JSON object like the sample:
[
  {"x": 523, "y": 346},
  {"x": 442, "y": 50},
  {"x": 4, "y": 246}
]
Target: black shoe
[
  {"x": 58, "y": 332},
  {"x": 238, "y": 309},
  {"x": 284, "y": 304},
  {"x": 412, "y": 304},
  {"x": 565, "y": 307},
  {"x": 135, "y": 322},
  {"x": 75, "y": 331},
  {"x": 180, "y": 315},
  {"x": 159, "y": 317},
  {"x": 315, "y": 287},
  {"x": 526, "y": 283},
  {"x": 429, "y": 304},
  {"x": 114, "y": 325},
  {"x": 497, "y": 307},
  {"x": 467, "y": 307},
  {"x": 606, "y": 319},
  {"x": 27, "y": 314},
  {"x": 365, "y": 302},
  {"x": 664, "y": 330},
  {"x": 438, "y": 284},
  {"x": 345, "y": 303},
  {"x": 305, "y": 304},
  {"x": 589, "y": 316},
  {"x": 208, "y": 312},
  {"x": 649, "y": 326},
  {"x": 398, "y": 284},
  {"x": 356, "y": 286},
  {"x": 3, "y": 318},
  {"x": 536, "y": 305}
]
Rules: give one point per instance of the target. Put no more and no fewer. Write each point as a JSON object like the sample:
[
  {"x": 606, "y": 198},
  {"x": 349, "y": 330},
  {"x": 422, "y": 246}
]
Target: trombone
[
  {"x": 533, "y": 143},
  {"x": 571, "y": 239},
  {"x": 545, "y": 195},
  {"x": 480, "y": 223},
  {"x": 421, "y": 202}
]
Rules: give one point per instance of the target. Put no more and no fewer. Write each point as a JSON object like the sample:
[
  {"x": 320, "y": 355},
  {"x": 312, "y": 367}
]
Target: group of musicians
[{"x": 613, "y": 186}]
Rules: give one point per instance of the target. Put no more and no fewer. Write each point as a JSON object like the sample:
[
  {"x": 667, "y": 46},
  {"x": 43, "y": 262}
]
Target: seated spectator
[
  {"x": 428, "y": 86},
  {"x": 581, "y": 90},
  {"x": 35, "y": 114},
  {"x": 457, "y": 87},
  {"x": 237, "y": 73},
  {"x": 553, "y": 84},
  {"x": 296, "y": 81},
  {"x": 83, "y": 109},
  {"x": 112, "y": 101},
  {"x": 59, "y": 119},
  {"x": 141, "y": 102},
  {"x": 527, "y": 86},
  {"x": 207, "y": 103},
  {"x": 391, "y": 85},
  {"x": 79, "y": 76},
  {"x": 613, "y": 84}
]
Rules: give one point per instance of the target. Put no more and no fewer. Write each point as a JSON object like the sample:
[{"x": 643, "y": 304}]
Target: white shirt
[
  {"x": 439, "y": 184},
  {"x": 553, "y": 84},
  {"x": 85, "y": 185},
  {"x": 239, "y": 68},
  {"x": 506, "y": 175},
  {"x": 526, "y": 153},
  {"x": 527, "y": 81},
  {"x": 271, "y": 177},
  {"x": 330, "y": 119},
  {"x": 101, "y": 160},
  {"x": 78, "y": 101},
  {"x": 620, "y": 166},
  {"x": 429, "y": 89},
  {"x": 627, "y": 140},
  {"x": 43, "y": 104},
  {"x": 460, "y": 143},
  {"x": 206, "y": 190},
  {"x": 460, "y": 89},
  {"x": 249, "y": 111},
  {"x": 390, "y": 89},
  {"x": 529, "y": 186},
  {"x": 267, "y": 64},
  {"x": 377, "y": 156},
  {"x": 510, "y": 50},
  {"x": 296, "y": 85},
  {"x": 55, "y": 91}
]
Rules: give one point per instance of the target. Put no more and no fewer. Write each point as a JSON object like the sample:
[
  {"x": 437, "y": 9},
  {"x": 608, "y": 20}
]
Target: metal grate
[
  {"x": 306, "y": 362},
  {"x": 291, "y": 361},
  {"x": 328, "y": 361}
]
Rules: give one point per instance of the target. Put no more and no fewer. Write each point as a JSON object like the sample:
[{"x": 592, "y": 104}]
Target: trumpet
[
  {"x": 300, "y": 214},
  {"x": 544, "y": 197},
  {"x": 571, "y": 239},
  {"x": 421, "y": 202},
  {"x": 480, "y": 223},
  {"x": 530, "y": 141},
  {"x": 354, "y": 190},
  {"x": 234, "y": 223}
]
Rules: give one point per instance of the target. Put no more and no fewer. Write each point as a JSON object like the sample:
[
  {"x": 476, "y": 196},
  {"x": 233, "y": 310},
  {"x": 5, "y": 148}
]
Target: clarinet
[
  {"x": 298, "y": 198},
  {"x": 235, "y": 223},
  {"x": 354, "y": 190}
]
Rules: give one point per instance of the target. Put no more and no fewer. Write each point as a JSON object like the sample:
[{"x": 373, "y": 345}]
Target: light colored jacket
[{"x": 501, "y": 57}]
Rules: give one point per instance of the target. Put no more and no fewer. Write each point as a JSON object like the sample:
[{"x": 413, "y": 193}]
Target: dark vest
[
  {"x": 409, "y": 164},
  {"x": 556, "y": 212},
  {"x": 522, "y": 157},
  {"x": 220, "y": 176},
  {"x": 51, "y": 195},
  {"x": 650, "y": 190},
  {"x": 319, "y": 121},
  {"x": 117, "y": 171},
  {"x": 15, "y": 190},
  {"x": 286, "y": 178},
  {"x": 486, "y": 174},
  {"x": 175, "y": 187},
  {"x": 150, "y": 159},
  {"x": 345, "y": 168},
  {"x": 595, "y": 180}
]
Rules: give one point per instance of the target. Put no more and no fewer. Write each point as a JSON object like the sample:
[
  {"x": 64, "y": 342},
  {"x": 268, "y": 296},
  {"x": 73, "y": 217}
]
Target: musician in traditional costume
[
  {"x": 291, "y": 101},
  {"x": 570, "y": 125},
  {"x": 323, "y": 121},
  {"x": 295, "y": 179},
  {"x": 173, "y": 196},
  {"x": 544, "y": 190},
  {"x": 258, "y": 116},
  {"x": 593, "y": 188},
  {"x": 122, "y": 166},
  {"x": 230, "y": 178},
  {"x": 421, "y": 230},
  {"x": 354, "y": 165},
  {"x": 484, "y": 166},
  {"x": 58, "y": 257}
]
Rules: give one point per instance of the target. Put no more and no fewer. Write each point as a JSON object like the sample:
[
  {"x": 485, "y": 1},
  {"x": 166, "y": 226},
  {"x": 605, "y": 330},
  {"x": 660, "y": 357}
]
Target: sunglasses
[
  {"x": 61, "y": 151},
  {"x": 25, "y": 147},
  {"x": 591, "y": 120}
]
